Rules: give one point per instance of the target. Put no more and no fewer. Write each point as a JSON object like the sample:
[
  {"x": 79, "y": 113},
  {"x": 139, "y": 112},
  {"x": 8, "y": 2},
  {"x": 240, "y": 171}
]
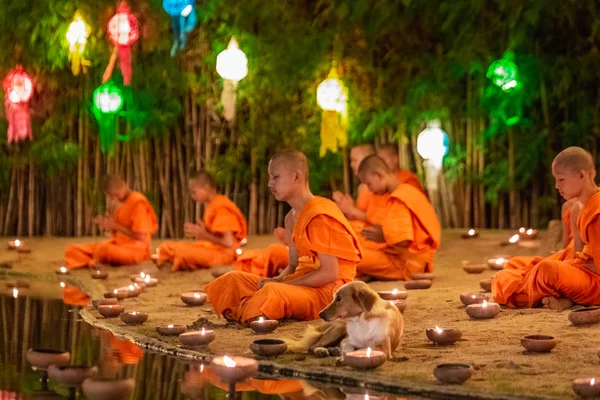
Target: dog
[{"x": 357, "y": 318}]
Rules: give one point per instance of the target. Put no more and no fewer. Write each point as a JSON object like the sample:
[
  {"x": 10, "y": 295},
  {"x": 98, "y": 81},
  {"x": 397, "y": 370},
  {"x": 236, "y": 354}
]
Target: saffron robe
[{"x": 267, "y": 262}]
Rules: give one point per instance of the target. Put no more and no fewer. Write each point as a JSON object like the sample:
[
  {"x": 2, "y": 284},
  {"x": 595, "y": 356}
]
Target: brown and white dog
[{"x": 358, "y": 318}]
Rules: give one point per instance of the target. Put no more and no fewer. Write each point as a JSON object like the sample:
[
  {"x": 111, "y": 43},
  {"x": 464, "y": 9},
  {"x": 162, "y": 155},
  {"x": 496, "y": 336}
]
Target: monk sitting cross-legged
[
  {"x": 217, "y": 237},
  {"x": 131, "y": 227},
  {"x": 389, "y": 154},
  {"x": 409, "y": 235},
  {"x": 323, "y": 254},
  {"x": 560, "y": 283}
]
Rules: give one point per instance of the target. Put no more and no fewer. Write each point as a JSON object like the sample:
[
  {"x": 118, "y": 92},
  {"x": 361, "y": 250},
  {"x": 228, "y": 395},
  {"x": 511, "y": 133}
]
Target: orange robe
[
  {"x": 129, "y": 353},
  {"x": 567, "y": 279},
  {"x": 408, "y": 217},
  {"x": 267, "y": 262},
  {"x": 221, "y": 216},
  {"x": 74, "y": 297},
  {"x": 321, "y": 228},
  {"x": 135, "y": 213},
  {"x": 507, "y": 281}
]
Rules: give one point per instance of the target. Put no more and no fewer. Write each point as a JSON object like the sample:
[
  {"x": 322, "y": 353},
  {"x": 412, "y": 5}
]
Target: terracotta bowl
[
  {"x": 467, "y": 236},
  {"x": 473, "y": 298},
  {"x": 422, "y": 275},
  {"x": 491, "y": 262},
  {"x": 108, "y": 389},
  {"x": 358, "y": 359},
  {"x": 453, "y": 373},
  {"x": 194, "y": 298},
  {"x": 104, "y": 302},
  {"x": 420, "y": 284},
  {"x": 391, "y": 295},
  {"x": 585, "y": 316},
  {"x": 24, "y": 249},
  {"x": 134, "y": 317},
  {"x": 62, "y": 271},
  {"x": 43, "y": 358},
  {"x": 267, "y": 326},
  {"x": 474, "y": 268},
  {"x": 71, "y": 375},
  {"x": 196, "y": 338},
  {"x": 476, "y": 311},
  {"x": 171, "y": 330},
  {"x": 19, "y": 284},
  {"x": 486, "y": 285},
  {"x": 400, "y": 304},
  {"x": 110, "y": 311},
  {"x": 539, "y": 343},
  {"x": 99, "y": 274},
  {"x": 244, "y": 368},
  {"x": 446, "y": 337},
  {"x": 583, "y": 387},
  {"x": 268, "y": 347},
  {"x": 120, "y": 295}
]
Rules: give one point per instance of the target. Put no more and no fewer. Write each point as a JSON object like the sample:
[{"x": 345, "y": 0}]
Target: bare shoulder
[
  {"x": 290, "y": 219},
  {"x": 567, "y": 205}
]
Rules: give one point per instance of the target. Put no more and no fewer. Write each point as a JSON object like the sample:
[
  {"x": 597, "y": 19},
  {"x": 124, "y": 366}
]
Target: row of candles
[{"x": 523, "y": 233}]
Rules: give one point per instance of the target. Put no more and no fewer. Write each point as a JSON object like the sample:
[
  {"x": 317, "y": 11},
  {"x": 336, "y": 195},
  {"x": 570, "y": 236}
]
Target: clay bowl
[
  {"x": 445, "y": 337},
  {"x": 171, "y": 330},
  {"x": 268, "y": 347},
  {"x": 453, "y": 373},
  {"x": 583, "y": 387},
  {"x": 62, "y": 271},
  {"x": 108, "y": 389},
  {"x": 105, "y": 302},
  {"x": 358, "y": 359},
  {"x": 420, "y": 284},
  {"x": 400, "y": 304},
  {"x": 585, "y": 316},
  {"x": 151, "y": 283},
  {"x": 474, "y": 268},
  {"x": 266, "y": 326},
  {"x": 473, "y": 298},
  {"x": 491, "y": 262},
  {"x": 111, "y": 310},
  {"x": 71, "y": 375},
  {"x": 43, "y": 358},
  {"x": 486, "y": 285},
  {"x": 5, "y": 265},
  {"x": 134, "y": 317},
  {"x": 118, "y": 294},
  {"x": 539, "y": 343},
  {"x": 197, "y": 338},
  {"x": 24, "y": 249},
  {"x": 393, "y": 294},
  {"x": 19, "y": 284},
  {"x": 477, "y": 311},
  {"x": 422, "y": 275},
  {"x": 99, "y": 274},
  {"x": 466, "y": 235},
  {"x": 530, "y": 236},
  {"x": 244, "y": 368},
  {"x": 194, "y": 298}
]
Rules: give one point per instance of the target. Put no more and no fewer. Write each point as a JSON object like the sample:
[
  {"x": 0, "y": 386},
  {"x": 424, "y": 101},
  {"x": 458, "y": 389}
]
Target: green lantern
[
  {"x": 504, "y": 72},
  {"x": 108, "y": 101}
]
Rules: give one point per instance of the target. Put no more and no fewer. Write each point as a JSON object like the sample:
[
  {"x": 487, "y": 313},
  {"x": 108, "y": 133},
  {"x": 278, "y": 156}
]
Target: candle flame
[
  {"x": 62, "y": 284},
  {"x": 169, "y": 326},
  {"x": 116, "y": 291},
  {"x": 17, "y": 243},
  {"x": 484, "y": 304},
  {"x": 367, "y": 397},
  {"x": 395, "y": 291},
  {"x": 514, "y": 239},
  {"x": 196, "y": 295},
  {"x": 529, "y": 231},
  {"x": 471, "y": 232},
  {"x": 134, "y": 313},
  {"x": 143, "y": 274},
  {"x": 201, "y": 367},
  {"x": 63, "y": 270},
  {"x": 238, "y": 252},
  {"x": 593, "y": 381},
  {"x": 131, "y": 287},
  {"x": 15, "y": 292},
  {"x": 261, "y": 320},
  {"x": 500, "y": 261},
  {"x": 229, "y": 362},
  {"x": 521, "y": 229},
  {"x": 203, "y": 331},
  {"x": 438, "y": 329},
  {"x": 368, "y": 352}
]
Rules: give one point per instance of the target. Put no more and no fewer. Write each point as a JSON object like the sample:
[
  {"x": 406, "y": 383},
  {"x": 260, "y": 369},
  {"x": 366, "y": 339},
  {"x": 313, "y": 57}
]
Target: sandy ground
[{"x": 492, "y": 347}]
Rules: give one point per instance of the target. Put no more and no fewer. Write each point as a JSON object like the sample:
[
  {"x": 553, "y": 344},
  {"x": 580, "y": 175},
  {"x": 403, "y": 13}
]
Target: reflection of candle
[
  {"x": 203, "y": 332},
  {"x": 15, "y": 292},
  {"x": 514, "y": 239},
  {"x": 229, "y": 363}
]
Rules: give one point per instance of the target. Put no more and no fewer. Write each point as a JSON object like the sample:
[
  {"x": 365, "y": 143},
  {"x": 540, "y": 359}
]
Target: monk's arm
[
  {"x": 292, "y": 265},
  {"x": 577, "y": 242},
  {"x": 594, "y": 235},
  {"x": 566, "y": 224},
  {"x": 327, "y": 273},
  {"x": 226, "y": 239},
  {"x": 125, "y": 230},
  {"x": 399, "y": 246}
]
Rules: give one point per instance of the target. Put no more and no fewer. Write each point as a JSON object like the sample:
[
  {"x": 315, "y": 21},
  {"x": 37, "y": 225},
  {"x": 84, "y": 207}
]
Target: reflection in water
[{"x": 51, "y": 321}]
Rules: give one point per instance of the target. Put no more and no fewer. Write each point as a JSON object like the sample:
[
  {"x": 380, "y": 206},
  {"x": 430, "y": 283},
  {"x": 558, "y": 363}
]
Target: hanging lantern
[
  {"x": 504, "y": 72},
  {"x": 432, "y": 143},
  {"x": 232, "y": 66},
  {"x": 18, "y": 90},
  {"x": 123, "y": 31},
  {"x": 332, "y": 97},
  {"x": 108, "y": 101},
  {"x": 183, "y": 21},
  {"x": 77, "y": 37}
]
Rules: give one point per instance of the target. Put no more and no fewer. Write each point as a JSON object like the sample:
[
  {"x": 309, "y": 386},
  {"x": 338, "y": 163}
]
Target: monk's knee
[
  {"x": 101, "y": 252},
  {"x": 547, "y": 270}
]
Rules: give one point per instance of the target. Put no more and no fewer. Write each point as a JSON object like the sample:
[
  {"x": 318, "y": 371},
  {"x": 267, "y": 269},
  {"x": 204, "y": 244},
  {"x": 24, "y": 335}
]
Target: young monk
[
  {"x": 217, "y": 237},
  {"x": 267, "y": 262},
  {"x": 389, "y": 154},
  {"x": 555, "y": 283},
  {"x": 408, "y": 236},
  {"x": 323, "y": 254},
  {"x": 131, "y": 227}
]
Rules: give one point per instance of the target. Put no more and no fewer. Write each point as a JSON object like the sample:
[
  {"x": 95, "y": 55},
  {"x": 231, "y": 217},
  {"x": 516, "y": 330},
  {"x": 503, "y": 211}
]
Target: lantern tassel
[
  {"x": 107, "y": 125},
  {"x": 19, "y": 121},
  {"x": 182, "y": 25},
  {"x": 125, "y": 63},
  {"x": 334, "y": 131},
  {"x": 228, "y": 99}
]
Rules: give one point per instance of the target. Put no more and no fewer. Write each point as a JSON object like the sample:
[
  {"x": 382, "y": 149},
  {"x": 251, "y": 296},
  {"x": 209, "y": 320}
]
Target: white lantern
[
  {"x": 332, "y": 95},
  {"x": 232, "y": 63},
  {"x": 432, "y": 143},
  {"x": 77, "y": 33}
]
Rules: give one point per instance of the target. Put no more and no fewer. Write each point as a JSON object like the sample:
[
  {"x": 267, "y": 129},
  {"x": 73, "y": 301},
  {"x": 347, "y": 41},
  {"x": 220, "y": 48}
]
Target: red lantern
[
  {"x": 123, "y": 30},
  {"x": 18, "y": 89}
]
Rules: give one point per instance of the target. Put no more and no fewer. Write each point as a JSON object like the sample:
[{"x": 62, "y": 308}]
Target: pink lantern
[
  {"x": 123, "y": 30},
  {"x": 18, "y": 90}
]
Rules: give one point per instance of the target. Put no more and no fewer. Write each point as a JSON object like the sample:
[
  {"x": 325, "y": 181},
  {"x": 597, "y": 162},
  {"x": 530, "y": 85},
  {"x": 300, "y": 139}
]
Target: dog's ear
[{"x": 366, "y": 298}]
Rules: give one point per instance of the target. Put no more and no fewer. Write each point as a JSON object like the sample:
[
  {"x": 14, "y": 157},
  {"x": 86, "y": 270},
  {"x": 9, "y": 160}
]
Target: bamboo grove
[{"x": 405, "y": 62}]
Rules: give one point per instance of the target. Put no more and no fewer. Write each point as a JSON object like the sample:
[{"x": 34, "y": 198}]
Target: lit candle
[
  {"x": 264, "y": 325},
  {"x": 261, "y": 320},
  {"x": 229, "y": 362},
  {"x": 62, "y": 285},
  {"x": 62, "y": 270},
  {"x": 471, "y": 232},
  {"x": 17, "y": 243},
  {"x": 203, "y": 332},
  {"x": 500, "y": 261},
  {"x": 586, "y": 387},
  {"x": 443, "y": 336},
  {"x": 514, "y": 239},
  {"x": 194, "y": 298},
  {"x": 521, "y": 230},
  {"x": 238, "y": 252},
  {"x": 15, "y": 292},
  {"x": 438, "y": 329},
  {"x": 484, "y": 310},
  {"x": 364, "y": 359},
  {"x": 169, "y": 326},
  {"x": 143, "y": 274},
  {"x": 394, "y": 294},
  {"x": 529, "y": 231},
  {"x": 368, "y": 352}
]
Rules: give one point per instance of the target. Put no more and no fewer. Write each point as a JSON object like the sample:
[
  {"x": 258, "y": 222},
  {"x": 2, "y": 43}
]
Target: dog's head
[{"x": 350, "y": 300}]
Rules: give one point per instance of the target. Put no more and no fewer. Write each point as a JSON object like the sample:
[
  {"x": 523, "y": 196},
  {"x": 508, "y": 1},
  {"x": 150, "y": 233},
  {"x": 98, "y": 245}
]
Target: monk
[
  {"x": 131, "y": 227},
  {"x": 323, "y": 254},
  {"x": 267, "y": 262},
  {"x": 408, "y": 236},
  {"x": 389, "y": 154},
  {"x": 217, "y": 237},
  {"x": 556, "y": 283}
]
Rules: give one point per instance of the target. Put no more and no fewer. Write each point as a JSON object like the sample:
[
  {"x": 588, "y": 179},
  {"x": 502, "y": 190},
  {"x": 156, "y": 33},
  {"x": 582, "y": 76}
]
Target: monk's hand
[
  {"x": 103, "y": 222},
  {"x": 337, "y": 196},
  {"x": 264, "y": 281},
  {"x": 345, "y": 203},
  {"x": 191, "y": 230},
  {"x": 374, "y": 234}
]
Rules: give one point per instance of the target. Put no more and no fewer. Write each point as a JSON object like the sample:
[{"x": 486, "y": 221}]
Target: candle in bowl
[
  {"x": 474, "y": 268},
  {"x": 133, "y": 291},
  {"x": 393, "y": 294},
  {"x": 234, "y": 369},
  {"x": 586, "y": 387},
  {"x": 539, "y": 343},
  {"x": 194, "y": 298},
  {"x": 147, "y": 280},
  {"x": 111, "y": 310},
  {"x": 453, "y": 373},
  {"x": 171, "y": 330},
  {"x": 497, "y": 263},
  {"x": 118, "y": 294},
  {"x": 443, "y": 336},
  {"x": 512, "y": 241},
  {"x": 420, "y": 284},
  {"x": 486, "y": 285},
  {"x": 400, "y": 304},
  {"x": 197, "y": 338},
  {"x": 585, "y": 316},
  {"x": 528, "y": 234},
  {"x": 470, "y": 234},
  {"x": 484, "y": 310},
  {"x": 62, "y": 270},
  {"x": 105, "y": 302},
  {"x": 364, "y": 359},
  {"x": 473, "y": 298},
  {"x": 99, "y": 274},
  {"x": 268, "y": 347},
  {"x": 422, "y": 275},
  {"x": 13, "y": 244},
  {"x": 264, "y": 325},
  {"x": 134, "y": 317},
  {"x": 134, "y": 276}
]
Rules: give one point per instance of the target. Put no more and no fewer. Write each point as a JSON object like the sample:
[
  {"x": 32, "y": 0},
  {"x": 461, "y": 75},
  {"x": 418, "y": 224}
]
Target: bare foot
[
  {"x": 154, "y": 258},
  {"x": 557, "y": 304}
]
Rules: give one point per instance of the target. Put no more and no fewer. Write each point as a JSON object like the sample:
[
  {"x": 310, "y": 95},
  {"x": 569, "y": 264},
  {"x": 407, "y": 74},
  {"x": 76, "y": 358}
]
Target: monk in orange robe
[
  {"x": 267, "y": 262},
  {"x": 556, "y": 283},
  {"x": 323, "y": 254},
  {"x": 131, "y": 227},
  {"x": 218, "y": 236},
  {"x": 410, "y": 233},
  {"x": 389, "y": 154}
]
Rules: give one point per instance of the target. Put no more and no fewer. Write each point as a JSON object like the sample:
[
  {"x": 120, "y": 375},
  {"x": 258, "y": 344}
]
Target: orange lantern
[
  {"x": 18, "y": 90},
  {"x": 123, "y": 31}
]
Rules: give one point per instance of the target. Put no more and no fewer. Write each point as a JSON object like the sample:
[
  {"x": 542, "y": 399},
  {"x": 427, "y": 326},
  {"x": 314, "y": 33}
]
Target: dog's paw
[
  {"x": 334, "y": 351},
  {"x": 339, "y": 362},
  {"x": 321, "y": 352}
]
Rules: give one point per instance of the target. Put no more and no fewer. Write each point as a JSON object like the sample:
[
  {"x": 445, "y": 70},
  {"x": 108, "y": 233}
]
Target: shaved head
[
  {"x": 389, "y": 154},
  {"x": 203, "y": 178},
  {"x": 358, "y": 153},
  {"x": 291, "y": 160},
  {"x": 575, "y": 159},
  {"x": 373, "y": 164},
  {"x": 110, "y": 182}
]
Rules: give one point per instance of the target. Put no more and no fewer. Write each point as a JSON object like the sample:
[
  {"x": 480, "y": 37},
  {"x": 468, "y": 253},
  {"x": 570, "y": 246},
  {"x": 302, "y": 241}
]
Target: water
[{"x": 45, "y": 316}]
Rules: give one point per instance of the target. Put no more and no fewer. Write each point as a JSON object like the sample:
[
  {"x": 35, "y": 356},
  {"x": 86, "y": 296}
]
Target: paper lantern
[
  {"x": 123, "y": 31},
  {"x": 108, "y": 101},
  {"x": 183, "y": 21},
  {"x": 77, "y": 37},
  {"x": 18, "y": 90},
  {"x": 332, "y": 97},
  {"x": 504, "y": 72},
  {"x": 432, "y": 143},
  {"x": 232, "y": 63}
]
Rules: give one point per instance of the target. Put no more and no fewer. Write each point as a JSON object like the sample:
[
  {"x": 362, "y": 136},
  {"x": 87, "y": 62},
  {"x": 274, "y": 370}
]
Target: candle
[
  {"x": 99, "y": 274},
  {"x": 119, "y": 294},
  {"x": 264, "y": 325},
  {"x": 15, "y": 292},
  {"x": 147, "y": 280},
  {"x": 194, "y": 298},
  {"x": 521, "y": 229},
  {"x": 473, "y": 298},
  {"x": 62, "y": 285},
  {"x": 484, "y": 310},
  {"x": 62, "y": 270},
  {"x": 134, "y": 318},
  {"x": 17, "y": 243},
  {"x": 443, "y": 336},
  {"x": 104, "y": 302},
  {"x": 110, "y": 311},
  {"x": 420, "y": 284},
  {"x": 364, "y": 359},
  {"x": 135, "y": 277},
  {"x": 197, "y": 338},
  {"x": 171, "y": 330},
  {"x": 234, "y": 369},
  {"x": 497, "y": 263},
  {"x": 133, "y": 291},
  {"x": 586, "y": 387},
  {"x": 470, "y": 234},
  {"x": 393, "y": 295},
  {"x": 238, "y": 252}
]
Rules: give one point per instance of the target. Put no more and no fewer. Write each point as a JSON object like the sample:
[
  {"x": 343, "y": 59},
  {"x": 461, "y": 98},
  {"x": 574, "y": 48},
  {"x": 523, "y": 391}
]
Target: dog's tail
[{"x": 325, "y": 335}]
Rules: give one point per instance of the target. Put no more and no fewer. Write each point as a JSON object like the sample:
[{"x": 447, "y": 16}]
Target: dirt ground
[{"x": 492, "y": 347}]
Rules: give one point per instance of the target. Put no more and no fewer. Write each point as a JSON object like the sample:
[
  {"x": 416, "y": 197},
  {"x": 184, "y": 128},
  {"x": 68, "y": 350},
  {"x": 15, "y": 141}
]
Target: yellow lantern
[
  {"x": 232, "y": 66},
  {"x": 332, "y": 97},
  {"x": 77, "y": 38}
]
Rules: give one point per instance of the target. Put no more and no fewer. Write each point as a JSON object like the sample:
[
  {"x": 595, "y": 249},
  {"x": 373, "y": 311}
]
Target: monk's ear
[{"x": 366, "y": 298}]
